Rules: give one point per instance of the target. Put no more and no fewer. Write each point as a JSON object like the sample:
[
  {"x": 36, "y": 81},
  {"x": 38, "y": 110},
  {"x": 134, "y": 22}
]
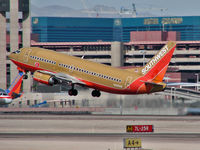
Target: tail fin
[
  {"x": 14, "y": 89},
  {"x": 156, "y": 68}
]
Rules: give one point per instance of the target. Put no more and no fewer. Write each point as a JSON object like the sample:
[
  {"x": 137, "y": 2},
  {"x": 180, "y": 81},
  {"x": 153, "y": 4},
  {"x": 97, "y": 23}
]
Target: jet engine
[{"x": 44, "y": 78}]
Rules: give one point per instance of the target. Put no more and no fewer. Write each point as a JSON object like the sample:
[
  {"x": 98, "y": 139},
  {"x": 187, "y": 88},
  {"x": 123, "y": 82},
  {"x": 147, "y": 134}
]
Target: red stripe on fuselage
[
  {"x": 108, "y": 89},
  {"x": 26, "y": 67},
  {"x": 5, "y": 97}
]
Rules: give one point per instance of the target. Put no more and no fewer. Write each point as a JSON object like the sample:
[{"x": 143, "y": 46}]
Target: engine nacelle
[{"x": 44, "y": 78}]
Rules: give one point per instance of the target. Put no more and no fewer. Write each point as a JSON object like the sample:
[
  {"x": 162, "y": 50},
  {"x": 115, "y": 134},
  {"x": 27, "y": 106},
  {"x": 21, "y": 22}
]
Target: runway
[{"x": 38, "y": 132}]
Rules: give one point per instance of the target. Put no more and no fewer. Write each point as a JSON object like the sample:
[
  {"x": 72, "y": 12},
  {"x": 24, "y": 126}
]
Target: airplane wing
[{"x": 63, "y": 78}]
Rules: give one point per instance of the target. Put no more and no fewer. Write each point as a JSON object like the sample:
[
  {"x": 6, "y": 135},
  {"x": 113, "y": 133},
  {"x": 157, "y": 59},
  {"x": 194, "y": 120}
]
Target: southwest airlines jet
[{"x": 50, "y": 67}]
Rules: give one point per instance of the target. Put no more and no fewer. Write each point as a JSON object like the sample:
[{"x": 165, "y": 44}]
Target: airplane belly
[
  {"x": 115, "y": 89},
  {"x": 8, "y": 100}
]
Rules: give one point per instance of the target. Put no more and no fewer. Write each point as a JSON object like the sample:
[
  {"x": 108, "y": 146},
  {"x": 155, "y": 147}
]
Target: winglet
[{"x": 156, "y": 68}]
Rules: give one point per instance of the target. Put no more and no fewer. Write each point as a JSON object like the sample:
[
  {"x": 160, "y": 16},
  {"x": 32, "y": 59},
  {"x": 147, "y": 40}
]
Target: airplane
[
  {"x": 13, "y": 92},
  {"x": 51, "y": 67}
]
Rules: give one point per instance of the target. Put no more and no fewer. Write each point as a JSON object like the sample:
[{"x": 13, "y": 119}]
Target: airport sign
[
  {"x": 132, "y": 143},
  {"x": 139, "y": 128}
]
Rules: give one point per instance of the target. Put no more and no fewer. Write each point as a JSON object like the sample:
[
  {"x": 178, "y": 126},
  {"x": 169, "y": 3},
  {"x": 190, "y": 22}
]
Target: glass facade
[
  {"x": 57, "y": 29},
  {"x": 61, "y": 29}
]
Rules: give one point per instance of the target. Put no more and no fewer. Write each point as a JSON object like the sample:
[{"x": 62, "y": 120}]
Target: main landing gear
[
  {"x": 72, "y": 92},
  {"x": 96, "y": 93}
]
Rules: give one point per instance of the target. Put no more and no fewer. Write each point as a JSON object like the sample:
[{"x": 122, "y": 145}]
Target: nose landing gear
[{"x": 25, "y": 76}]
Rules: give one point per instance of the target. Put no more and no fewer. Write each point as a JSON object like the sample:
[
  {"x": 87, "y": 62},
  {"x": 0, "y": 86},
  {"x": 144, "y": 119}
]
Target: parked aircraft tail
[{"x": 14, "y": 89}]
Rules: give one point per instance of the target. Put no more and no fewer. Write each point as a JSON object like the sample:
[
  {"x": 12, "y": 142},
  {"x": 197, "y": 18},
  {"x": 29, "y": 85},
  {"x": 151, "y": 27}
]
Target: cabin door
[
  {"x": 128, "y": 81},
  {"x": 26, "y": 55}
]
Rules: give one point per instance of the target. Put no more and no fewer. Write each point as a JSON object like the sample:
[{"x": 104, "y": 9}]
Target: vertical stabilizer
[
  {"x": 15, "y": 87},
  {"x": 156, "y": 68}
]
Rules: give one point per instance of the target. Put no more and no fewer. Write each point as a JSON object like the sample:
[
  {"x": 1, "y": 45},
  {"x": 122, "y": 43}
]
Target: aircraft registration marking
[{"x": 117, "y": 85}]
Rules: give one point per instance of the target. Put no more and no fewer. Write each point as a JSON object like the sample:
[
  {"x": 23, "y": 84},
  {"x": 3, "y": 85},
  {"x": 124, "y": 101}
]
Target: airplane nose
[
  {"x": 11, "y": 56},
  {"x": 14, "y": 54}
]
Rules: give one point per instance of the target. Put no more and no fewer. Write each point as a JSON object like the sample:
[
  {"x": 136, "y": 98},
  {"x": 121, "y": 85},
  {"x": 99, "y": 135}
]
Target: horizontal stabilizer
[{"x": 154, "y": 87}]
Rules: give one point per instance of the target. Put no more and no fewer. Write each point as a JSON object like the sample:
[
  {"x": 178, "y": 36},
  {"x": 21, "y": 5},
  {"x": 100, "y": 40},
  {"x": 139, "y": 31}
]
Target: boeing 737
[
  {"x": 7, "y": 96},
  {"x": 50, "y": 67}
]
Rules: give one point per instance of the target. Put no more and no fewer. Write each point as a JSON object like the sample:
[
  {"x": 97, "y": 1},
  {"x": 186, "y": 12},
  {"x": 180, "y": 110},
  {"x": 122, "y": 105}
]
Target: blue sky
[{"x": 174, "y": 7}]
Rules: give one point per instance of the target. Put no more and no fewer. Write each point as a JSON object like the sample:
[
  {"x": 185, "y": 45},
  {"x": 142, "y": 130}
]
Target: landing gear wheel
[
  {"x": 96, "y": 93},
  {"x": 73, "y": 92}
]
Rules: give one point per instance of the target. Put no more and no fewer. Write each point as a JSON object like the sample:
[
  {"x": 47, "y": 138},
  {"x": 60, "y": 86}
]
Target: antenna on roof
[{"x": 85, "y": 7}]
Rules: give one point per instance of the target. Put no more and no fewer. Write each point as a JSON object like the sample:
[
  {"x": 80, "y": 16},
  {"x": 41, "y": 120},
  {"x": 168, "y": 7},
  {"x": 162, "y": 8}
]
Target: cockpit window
[
  {"x": 3, "y": 94},
  {"x": 2, "y": 91},
  {"x": 17, "y": 51}
]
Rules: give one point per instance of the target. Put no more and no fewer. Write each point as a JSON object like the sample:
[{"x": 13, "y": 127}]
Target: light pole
[
  {"x": 143, "y": 53},
  {"x": 197, "y": 87},
  {"x": 163, "y": 27},
  {"x": 173, "y": 95}
]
